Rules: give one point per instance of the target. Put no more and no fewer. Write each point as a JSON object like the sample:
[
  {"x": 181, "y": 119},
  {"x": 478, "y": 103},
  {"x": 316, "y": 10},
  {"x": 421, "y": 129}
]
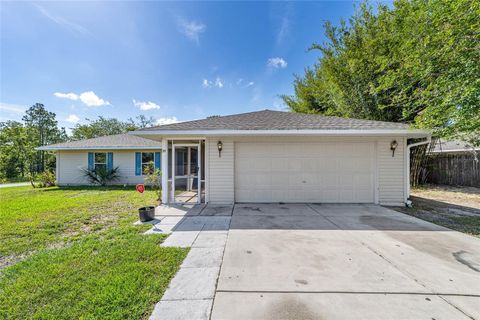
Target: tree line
[
  {"x": 18, "y": 158},
  {"x": 417, "y": 62}
]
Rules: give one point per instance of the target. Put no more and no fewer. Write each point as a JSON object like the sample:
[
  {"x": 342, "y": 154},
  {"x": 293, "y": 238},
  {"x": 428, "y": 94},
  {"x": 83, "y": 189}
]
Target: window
[
  {"x": 100, "y": 161},
  {"x": 147, "y": 163}
]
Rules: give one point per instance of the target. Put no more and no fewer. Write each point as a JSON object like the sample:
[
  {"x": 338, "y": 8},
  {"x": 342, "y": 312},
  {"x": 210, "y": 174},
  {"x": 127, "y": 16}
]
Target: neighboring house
[
  {"x": 264, "y": 156},
  {"x": 454, "y": 163}
]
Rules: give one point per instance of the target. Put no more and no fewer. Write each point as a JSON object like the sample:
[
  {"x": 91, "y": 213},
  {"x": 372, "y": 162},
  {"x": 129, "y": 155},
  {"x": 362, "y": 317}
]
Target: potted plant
[{"x": 146, "y": 214}]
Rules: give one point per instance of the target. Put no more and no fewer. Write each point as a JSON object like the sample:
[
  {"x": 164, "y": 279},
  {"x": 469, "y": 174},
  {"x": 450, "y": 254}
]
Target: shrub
[
  {"x": 154, "y": 180},
  {"x": 101, "y": 176},
  {"x": 43, "y": 180}
]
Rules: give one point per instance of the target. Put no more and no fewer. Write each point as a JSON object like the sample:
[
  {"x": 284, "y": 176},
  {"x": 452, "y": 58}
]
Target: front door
[{"x": 186, "y": 184}]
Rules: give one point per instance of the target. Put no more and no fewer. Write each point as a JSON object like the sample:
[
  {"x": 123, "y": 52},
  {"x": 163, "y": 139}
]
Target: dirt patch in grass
[
  {"x": 6, "y": 261},
  {"x": 451, "y": 207},
  {"x": 463, "y": 196}
]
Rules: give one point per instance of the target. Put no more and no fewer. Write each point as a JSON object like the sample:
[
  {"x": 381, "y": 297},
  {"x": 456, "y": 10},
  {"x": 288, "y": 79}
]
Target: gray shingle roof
[
  {"x": 117, "y": 141},
  {"x": 277, "y": 120},
  {"x": 453, "y": 146}
]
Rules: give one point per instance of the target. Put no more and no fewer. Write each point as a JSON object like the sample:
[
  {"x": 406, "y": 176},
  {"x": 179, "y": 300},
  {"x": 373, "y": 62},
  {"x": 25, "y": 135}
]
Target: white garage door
[{"x": 304, "y": 172}]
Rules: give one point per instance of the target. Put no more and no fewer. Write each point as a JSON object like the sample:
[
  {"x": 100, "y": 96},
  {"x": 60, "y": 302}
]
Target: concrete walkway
[
  {"x": 308, "y": 261},
  {"x": 19, "y": 184},
  {"x": 204, "y": 229}
]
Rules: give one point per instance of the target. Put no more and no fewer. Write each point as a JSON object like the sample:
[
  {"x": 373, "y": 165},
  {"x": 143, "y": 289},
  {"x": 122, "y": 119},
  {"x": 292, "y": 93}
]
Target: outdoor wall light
[
  {"x": 219, "y": 147},
  {"x": 393, "y": 146}
]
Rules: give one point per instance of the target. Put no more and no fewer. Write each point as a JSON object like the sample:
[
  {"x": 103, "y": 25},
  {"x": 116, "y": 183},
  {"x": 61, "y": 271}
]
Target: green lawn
[{"x": 75, "y": 254}]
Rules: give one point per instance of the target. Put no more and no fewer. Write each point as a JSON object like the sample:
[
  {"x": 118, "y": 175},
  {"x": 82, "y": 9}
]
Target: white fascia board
[
  {"x": 47, "y": 148},
  {"x": 352, "y": 132},
  {"x": 454, "y": 150}
]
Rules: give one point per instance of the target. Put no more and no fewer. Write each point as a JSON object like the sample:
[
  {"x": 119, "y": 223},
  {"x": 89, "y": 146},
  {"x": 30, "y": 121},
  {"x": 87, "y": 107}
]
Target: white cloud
[
  {"x": 72, "y": 118},
  {"x": 11, "y": 108},
  {"x": 277, "y": 63},
  {"x": 145, "y": 105},
  {"x": 166, "y": 120},
  {"x": 241, "y": 82},
  {"x": 284, "y": 18},
  {"x": 92, "y": 100},
  {"x": 218, "y": 82},
  {"x": 61, "y": 21},
  {"x": 71, "y": 96},
  {"x": 284, "y": 29},
  {"x": 88, "y": 97},
  {"x": 192, "y": 29}
]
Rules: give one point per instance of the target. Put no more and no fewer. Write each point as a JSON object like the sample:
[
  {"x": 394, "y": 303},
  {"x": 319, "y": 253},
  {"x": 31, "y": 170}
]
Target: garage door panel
[
  {"x": 294, "y": 179},
  {"x": 346, "y": 180},
  {"x": 294, "y": 165},
  {"x": 304, "y": 172},
  {"x": 329, "y": 165},
  {"x": 279, "y": 164}
]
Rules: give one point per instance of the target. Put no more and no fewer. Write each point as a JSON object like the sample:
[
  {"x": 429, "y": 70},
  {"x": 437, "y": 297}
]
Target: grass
[
  {"x": 454, "y": 208},
  {"x": 81, "y": 256}
]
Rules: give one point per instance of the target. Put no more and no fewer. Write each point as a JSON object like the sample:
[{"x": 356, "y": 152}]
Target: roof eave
[
  {"x": 413, "y": 133},
  {"x": 52, "y": 148}
]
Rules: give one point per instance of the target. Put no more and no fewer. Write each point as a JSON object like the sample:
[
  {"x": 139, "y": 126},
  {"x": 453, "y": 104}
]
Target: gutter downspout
[{"x": 407, "y": 155}]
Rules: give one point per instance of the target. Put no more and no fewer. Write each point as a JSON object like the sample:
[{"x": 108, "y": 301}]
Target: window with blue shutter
[
  {"x": 110, "y": 161},
  {"x": 138, "y": 163},
  {"x": 158, "y": 162},
  {"x": 90, "y": 161}
]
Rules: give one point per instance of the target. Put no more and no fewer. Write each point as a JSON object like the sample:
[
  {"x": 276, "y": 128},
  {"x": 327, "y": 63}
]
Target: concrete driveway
[{"x": 309, "y": 261}]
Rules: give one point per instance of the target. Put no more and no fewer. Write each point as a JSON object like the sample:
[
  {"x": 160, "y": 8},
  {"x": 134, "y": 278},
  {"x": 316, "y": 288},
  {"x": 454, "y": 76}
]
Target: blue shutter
[
  {"x": 138, "y": 163},
  {"x": 90, "y": 161},
  {"x": 158, "y": 163},
  {"x": 110, "y": 161}
]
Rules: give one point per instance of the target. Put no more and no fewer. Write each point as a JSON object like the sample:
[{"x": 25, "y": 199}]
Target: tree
[
  {"x": 16, "y": 150},
  {"x": 100, "y": 127},
  {"x": 418, "y": 62},
  {"x": 108, "y": 126},
  {"x": 42, "y": 129},
  {"x": 142, "y": 122}
]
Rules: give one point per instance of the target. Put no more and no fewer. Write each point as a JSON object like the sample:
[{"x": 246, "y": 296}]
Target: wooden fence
[{"x": 456, "y": 169}]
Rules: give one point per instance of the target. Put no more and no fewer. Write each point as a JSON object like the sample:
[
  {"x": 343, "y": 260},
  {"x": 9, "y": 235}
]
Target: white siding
[
  {"x": 391, "y": 172},
  {"x": 220, "y": 171},
  {"x": 71, "y": 163}
]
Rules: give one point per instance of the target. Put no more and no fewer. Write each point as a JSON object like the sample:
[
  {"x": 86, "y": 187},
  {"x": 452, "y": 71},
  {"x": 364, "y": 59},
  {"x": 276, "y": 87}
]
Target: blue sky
[{"x": 172, "y": 61}]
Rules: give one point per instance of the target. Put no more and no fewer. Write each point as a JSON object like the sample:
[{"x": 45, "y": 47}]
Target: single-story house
[{"x": 263, "y": 156}]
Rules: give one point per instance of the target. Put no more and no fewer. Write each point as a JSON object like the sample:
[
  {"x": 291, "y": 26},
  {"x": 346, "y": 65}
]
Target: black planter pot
[{"x": 146, "y": 214}]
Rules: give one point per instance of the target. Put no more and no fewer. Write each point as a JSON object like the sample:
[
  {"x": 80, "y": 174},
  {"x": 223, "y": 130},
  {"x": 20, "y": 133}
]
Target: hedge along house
[{"x": 264, "y": 156}]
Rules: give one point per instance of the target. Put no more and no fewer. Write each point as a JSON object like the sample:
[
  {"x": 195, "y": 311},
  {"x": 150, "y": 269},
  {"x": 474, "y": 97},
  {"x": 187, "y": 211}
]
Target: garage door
[{"x": 304, "y": 172}]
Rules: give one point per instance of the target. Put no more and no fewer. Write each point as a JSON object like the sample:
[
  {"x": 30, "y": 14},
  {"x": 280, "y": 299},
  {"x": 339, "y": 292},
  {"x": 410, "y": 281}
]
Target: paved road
[
  {"x": 302, "y": 261},
  {"x": 20, "y": 184}
]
